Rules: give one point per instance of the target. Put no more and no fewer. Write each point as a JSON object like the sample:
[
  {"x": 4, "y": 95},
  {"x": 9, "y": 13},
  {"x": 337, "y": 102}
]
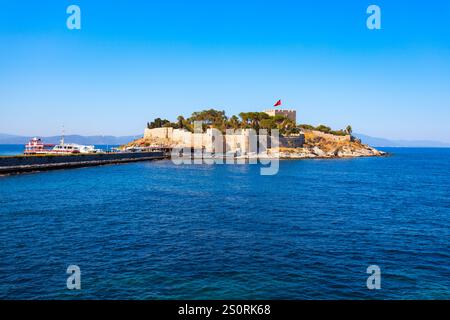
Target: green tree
[
  {"x": 210, "y": 118},
  {"x": 306, "y": 127},
  {"x": 234, "y": 123},
  {"x": 349, "y": 129},
  {"x": 158, "y": 123},
  {"x": 181, "y": 122},
  {"x": 323, "y": 128},
  {"x": 245, "y": 118},
  {"x": 268, "y": 123}
]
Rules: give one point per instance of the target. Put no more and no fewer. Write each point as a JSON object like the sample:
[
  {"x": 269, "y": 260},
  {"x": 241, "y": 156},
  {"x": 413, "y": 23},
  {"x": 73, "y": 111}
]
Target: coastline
[
  {"x": 385, "y": 154},
  {"x": 317, "y": 146},
  {"x": 10, "y": 165}
]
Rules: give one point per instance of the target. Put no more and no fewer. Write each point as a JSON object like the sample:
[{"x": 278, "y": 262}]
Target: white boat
[
  {"x": 67, "y": 148},
  {"x": 36, "y": 146}
]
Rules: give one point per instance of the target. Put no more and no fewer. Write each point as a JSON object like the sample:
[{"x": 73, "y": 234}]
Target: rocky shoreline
[
  {"x": 342, "y": 152},
  {"x": 309, "y": 144},
  {"x": 323, "y": 146}
]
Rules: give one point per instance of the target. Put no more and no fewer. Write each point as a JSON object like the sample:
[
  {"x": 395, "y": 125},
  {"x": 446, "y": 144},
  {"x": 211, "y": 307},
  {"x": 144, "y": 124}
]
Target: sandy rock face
[
  {"x": 318, "y": 152},
  {"x": 321, "y": 146},
  {"x": 346, "y": 152}
]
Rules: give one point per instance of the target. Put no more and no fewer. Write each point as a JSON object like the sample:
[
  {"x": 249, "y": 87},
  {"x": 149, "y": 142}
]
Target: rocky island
[
  {"x": 325, "y": 145},
  {"x": 233, "y": 135}
]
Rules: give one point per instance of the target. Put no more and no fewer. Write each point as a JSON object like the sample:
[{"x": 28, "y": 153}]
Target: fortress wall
[
  {"x": 158, "y": 133},
  {"x": 231, "y": 143},
  {"x": 212, "y": 141},
  {"x": 181, "y": 136},
  {"x": 332, "y": 137},
  {"x": 290, "y": 114},
  {"x": 292, "y": 141},
  {"x": 170, "y": 135},
  {"x": 239, "y": 142}
]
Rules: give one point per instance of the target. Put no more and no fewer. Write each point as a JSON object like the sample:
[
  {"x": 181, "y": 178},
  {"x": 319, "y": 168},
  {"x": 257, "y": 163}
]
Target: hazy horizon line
[{"x": 392, "y": 140}]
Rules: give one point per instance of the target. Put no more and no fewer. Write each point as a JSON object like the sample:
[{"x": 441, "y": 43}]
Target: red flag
[{"x": 278, "y": 103}]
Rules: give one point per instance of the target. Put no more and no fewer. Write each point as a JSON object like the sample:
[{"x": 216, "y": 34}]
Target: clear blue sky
[{"x": 135, "y": 60}]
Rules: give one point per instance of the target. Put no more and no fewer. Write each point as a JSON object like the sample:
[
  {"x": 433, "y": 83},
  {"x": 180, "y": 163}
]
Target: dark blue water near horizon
[{"x": 154, "y": 230}]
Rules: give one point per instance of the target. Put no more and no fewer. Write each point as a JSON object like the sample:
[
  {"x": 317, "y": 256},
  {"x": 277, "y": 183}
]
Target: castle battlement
[{"x": 288, "y": 113}]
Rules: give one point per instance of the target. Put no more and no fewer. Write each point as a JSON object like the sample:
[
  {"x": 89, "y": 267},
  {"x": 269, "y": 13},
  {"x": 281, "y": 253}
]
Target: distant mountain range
[
  {"x": 382, "y": 142},
  {"x": 112, "y": 140},
  {"x": 86, "y": 140}
]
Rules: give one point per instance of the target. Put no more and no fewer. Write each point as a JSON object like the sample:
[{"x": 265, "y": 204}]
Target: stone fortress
[
  {"x": 290, "y": 114},
  {"x": 241, "y": 142}
]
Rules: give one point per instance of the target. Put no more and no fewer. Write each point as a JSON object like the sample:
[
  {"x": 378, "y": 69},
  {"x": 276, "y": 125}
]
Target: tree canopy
[{"x": 213, "y": 118}]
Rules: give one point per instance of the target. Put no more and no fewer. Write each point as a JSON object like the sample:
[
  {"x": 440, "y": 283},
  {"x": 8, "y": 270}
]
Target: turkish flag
[{"x": 278, "y": 103}]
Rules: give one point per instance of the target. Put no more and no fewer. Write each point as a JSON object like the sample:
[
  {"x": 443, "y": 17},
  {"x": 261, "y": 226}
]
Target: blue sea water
[
  {"x": 154, "y": 230},
  {"x": 11, "y": 149},
  {"x": 17, "y": 149}
]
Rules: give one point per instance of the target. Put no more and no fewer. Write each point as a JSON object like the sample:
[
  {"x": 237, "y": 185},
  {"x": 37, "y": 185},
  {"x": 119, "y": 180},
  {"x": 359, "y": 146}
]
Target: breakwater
[{"x": 21, "y": 164}]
